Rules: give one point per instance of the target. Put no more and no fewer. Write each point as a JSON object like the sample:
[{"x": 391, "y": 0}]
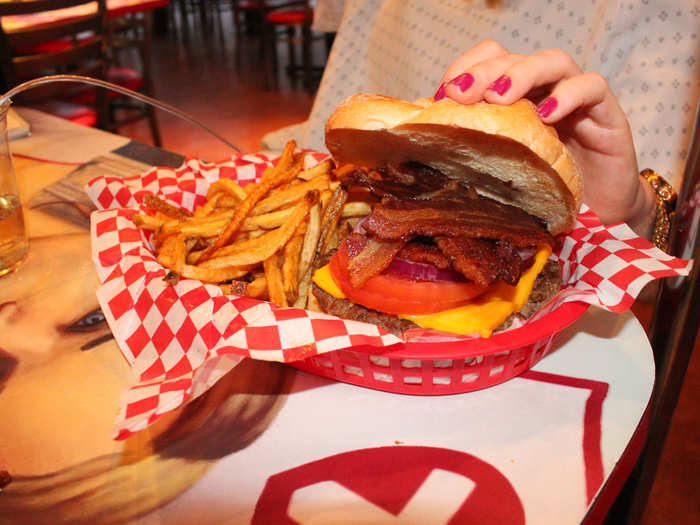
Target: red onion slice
[
  {"x": 418, "y": 271},
  {"x": 422, "y": 271},
  {"x": 427, "y": 272},
  {"x": 527, "y": 257}
]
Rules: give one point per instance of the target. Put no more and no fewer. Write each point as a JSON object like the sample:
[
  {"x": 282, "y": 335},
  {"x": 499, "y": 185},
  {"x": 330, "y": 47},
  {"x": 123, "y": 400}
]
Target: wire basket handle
[{"x": 5, "y": 100}]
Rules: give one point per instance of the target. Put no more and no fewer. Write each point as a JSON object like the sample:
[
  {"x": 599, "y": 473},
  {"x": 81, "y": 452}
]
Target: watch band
[{"x": 665, "y": 208}]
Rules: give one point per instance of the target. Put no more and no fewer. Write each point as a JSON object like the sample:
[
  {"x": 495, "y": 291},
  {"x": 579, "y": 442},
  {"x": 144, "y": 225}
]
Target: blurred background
[{"x": 239, "y": 78}]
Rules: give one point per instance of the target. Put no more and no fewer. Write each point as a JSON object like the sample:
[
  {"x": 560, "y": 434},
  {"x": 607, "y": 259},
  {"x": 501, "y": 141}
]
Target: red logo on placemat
[{"x": 391, "y": 485}]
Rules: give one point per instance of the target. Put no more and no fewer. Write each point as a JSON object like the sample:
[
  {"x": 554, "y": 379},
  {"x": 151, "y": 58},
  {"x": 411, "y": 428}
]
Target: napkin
[{"x": 181, "y": 339}]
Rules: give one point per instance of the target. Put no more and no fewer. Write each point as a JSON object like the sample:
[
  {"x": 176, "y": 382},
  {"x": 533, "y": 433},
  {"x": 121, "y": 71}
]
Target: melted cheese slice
[{"x": 482, "y": 315}]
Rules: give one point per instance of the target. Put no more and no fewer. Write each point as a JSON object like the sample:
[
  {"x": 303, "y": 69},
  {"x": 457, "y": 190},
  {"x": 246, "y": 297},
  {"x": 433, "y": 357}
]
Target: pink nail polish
[
  {"x": 440, "y": 93},
  {"x": 501, "y": 85},
  {"x": 463, "y": 81},
  {"x": 546, "y": 107}
]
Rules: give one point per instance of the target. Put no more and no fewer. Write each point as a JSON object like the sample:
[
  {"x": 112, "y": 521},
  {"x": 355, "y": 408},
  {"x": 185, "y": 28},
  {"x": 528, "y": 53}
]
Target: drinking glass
[{"x": 13, "y": 234}]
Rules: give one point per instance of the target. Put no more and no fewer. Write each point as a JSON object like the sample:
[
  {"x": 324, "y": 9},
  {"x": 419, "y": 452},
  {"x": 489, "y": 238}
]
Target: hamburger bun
[{"x": 504, "y": 152}]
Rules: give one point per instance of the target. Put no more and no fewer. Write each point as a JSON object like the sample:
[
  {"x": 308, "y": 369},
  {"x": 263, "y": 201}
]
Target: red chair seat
[
  {"x": 76, "y": 113},
  {"x": 288, "y": 17},
  {"x": 52, "y": 46},
  {"x": 125, "y": 77}
]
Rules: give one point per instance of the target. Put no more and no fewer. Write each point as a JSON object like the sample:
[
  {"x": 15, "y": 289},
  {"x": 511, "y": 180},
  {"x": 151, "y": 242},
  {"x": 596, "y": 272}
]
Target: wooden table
[
  {"x": 269, "y": 444},
  {"x": 115, "y": 8}
]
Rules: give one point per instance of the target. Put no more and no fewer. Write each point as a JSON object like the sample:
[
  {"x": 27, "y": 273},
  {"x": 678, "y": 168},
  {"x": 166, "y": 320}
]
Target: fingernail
[
  {"x": 463, "y": 81},
  {"x": 546, "y": 107},
  {"x": 501, "y": 85},
  {"x": 440, "y": 93}
]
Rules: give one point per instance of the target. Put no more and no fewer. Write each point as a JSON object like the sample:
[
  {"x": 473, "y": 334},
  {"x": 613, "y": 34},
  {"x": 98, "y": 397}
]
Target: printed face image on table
[{"x": 61, "y": 378}]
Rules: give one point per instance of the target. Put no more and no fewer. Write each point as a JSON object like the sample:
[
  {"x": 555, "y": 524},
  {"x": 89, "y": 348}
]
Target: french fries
[
  {"x": 260, "y": 248},
  {"x": 226, "y": 186},
  {"x": 331, "y": 217},
  {"x": 322, "y": 168},
  {"x": 262, "y": 240},
  {"x": 273, "y": 276},
  {"x": 290, "y": 264},
  {"x": 257, "y": 287},
  {"x": 163, "y": 207},
  {"x": 266, "y": 184},
  {"x": 291, "y": 195}
]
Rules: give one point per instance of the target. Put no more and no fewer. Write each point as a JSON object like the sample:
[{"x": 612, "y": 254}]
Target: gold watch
[{"x": 665, "y": 208}]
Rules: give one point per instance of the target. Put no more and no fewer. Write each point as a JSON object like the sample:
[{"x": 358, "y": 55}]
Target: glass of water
[{"x": 13, "y": 234}]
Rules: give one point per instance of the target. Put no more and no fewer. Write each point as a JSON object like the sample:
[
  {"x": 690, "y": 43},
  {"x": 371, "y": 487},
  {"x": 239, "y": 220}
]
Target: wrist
[{"x": 643, "y": 216}]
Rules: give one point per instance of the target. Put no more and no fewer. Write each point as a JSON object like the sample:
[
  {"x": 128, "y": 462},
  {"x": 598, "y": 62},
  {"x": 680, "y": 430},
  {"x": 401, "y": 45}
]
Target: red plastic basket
[{"x": 422, "y": 368}]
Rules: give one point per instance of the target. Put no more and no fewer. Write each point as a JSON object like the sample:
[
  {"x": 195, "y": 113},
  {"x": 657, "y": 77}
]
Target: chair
[
  {"x": 204, "y": 12},
  {"x": 74, "y": 46},
  {"x": 243, "y": 10},
  {"x": 673, "y": 334},
  {"x": 125, "y": 35},
  {"x": 246, "y": 18},
  {"x": 128, "y": 33},
  {"x": 289, "y": 21}
]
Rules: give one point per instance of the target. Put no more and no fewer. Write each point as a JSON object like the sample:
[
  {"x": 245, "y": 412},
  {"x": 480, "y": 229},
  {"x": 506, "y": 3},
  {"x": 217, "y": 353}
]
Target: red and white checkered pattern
[{"x": 181, "y": 339}]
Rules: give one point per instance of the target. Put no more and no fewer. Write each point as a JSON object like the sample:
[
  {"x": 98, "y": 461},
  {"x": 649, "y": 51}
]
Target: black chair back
[
  {"x": 22, "y": 56},
  {"x": 74, "y": 45}
]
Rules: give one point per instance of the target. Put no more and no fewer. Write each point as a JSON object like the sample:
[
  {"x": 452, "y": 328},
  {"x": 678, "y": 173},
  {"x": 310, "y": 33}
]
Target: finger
[
  {"x": 530, "y": 73},
  {"x": 471, "y": 86},
  {"x": 588, "y": 90},
  {"x": 482, "y": 51}
]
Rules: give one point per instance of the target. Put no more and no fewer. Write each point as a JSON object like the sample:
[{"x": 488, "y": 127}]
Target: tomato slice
[{"x": 394, "y": 295}]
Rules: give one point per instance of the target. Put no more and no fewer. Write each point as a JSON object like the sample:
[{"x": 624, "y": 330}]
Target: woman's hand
[{"x": 579, "y": 105}]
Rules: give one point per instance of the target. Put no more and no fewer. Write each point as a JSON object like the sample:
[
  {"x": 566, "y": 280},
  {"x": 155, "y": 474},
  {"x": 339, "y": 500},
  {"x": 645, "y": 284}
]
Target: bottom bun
[{"x": 546, "y": 286}]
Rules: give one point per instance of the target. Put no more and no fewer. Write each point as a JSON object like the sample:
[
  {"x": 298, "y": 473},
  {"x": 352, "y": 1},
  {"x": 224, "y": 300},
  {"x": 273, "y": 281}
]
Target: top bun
[{"x": 505, "y": 152}]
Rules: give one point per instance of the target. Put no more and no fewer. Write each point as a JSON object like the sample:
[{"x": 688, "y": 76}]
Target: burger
[{"x": 468, "y": 204}]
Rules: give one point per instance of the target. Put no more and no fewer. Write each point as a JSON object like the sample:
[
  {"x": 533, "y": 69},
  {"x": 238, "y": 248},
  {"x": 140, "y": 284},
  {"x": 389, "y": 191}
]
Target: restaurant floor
[{"x": 195, "y": 70}]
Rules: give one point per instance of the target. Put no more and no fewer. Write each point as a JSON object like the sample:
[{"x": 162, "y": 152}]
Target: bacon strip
[
  {"x": 373, "y": 257},
  {"x": 405, "y": 181},
  {"x": 483, "y": 262},
  {"x": 474, "y": 217},
  {"x": 424, "y": 253},
  {"x": 477, "y": 236}
]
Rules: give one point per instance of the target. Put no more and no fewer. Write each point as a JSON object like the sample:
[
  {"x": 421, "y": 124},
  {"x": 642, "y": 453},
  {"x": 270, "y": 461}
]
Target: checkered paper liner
[{"x": 181, "y": 339}]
